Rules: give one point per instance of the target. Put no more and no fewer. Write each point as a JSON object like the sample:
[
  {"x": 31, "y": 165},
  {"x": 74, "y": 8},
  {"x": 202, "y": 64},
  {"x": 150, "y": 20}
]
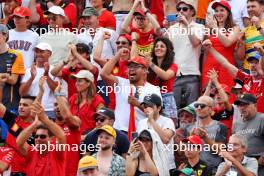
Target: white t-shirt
[
  {"x": 122, "y": 110},
  {"x": 186, "y": 56},
  {"x": 48, "y": 98},
  {"x": 24, "y": 42},
  {"x": 164, "y": 123}
]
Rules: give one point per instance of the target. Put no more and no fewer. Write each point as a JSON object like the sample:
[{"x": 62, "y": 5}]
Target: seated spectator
[
  {"x": 77, "y": 59},
  {"x": 86, "y": 101},
  {"x": 223, "y": 110},
  {"x": 106, "y": 18},
  {"x": 252, "y": 83},
  {"x": 57, "y": 36},
  {"x": 21, "y": 38},
  {"x": 235, "y": 160},
  {"x": 193, "y": 156},
  {"x": 251, "y": 126},
  {"x": 146, "y": 157},
  {"x": 105, "y": 116},
  {"x": 41, "y": 161},
  {"x": 211, "y": 131},
  {"x": 12, "y": 67},
  {"x": 163, "y": 73},
  {"x": 146, "y": 27},
  {"x": 128, "y": 98},
  {"x": 30, "y": 81},
  {"x": 88, "y": 166},
  {"x": 163, "y": 126},
  {"x": 7, "y": 9},
  {"x": 38, "y": 12},
  {"x": 109, "y": 163}
]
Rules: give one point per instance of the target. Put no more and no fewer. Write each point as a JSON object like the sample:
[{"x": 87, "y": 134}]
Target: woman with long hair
[
  {"x": 86, "y": 101},
  {"x": 224, "y": 35},
  {"x": 162, "y": 73}
]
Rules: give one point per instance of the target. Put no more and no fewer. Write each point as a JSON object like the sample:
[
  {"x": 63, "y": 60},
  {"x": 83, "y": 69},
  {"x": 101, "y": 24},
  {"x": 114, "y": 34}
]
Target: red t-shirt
[
  {"x": 66, "y": 73},
  {"x": 253, "y": 87},
  {"x": 107, "y": 20},
  {"x": 73, "y": 137},
  {"x": 70, "y": 11},
  {"x": 166, "y": 86},
  {"x": 122, "y": 71},
  {"x": 18, "y": 164},
  {"x": 85, "y": 113},
  {"x": 145, "y": 41},
  {"x": 6, "y": 155},
  {"x": 51, "y": 163}
]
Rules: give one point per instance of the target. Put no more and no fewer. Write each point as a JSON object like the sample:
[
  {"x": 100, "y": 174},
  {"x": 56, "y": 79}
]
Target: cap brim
[
  {"x": 147, "y": 102},
  {"x": 215, "y": 4},
  {"x": 239, "y": 101},
  {"x": 85, "y": 168},
  {"x": 22, "y": 16},
  {"x": 98, "y": 113}
]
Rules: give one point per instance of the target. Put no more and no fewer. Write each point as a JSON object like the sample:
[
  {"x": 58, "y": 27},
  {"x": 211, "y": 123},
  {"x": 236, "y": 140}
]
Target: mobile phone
[
  {"x": 134, "y": 135},
  {"x": 171, "y": 18}
]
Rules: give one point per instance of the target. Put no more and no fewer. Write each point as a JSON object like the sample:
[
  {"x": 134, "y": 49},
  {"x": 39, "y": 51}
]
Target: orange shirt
[{"x": 18, "y": 66}]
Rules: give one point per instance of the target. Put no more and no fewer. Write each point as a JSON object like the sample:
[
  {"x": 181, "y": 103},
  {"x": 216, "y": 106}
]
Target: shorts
[{"x": 169, "y": 105}]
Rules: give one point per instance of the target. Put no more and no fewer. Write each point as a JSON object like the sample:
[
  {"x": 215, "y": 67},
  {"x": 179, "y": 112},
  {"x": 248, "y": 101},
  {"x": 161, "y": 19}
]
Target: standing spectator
[
  {"x": 193, "y": 155},
  {"x": 252, "y": 83},
  {"x": 41, "y": 161},
  {"x": 16, "y": 123},
  {"x": 146, "y": 157},
  {"x": 77, "y": 59},
  {"x": 235, "y": 160},
  {"x": 240, "y": 13},
  {"x": 224, "y": 37},
  {"x": 251, "y": 125},
  {"x": 57, "y": 36},
  {"x": 106, "y": 18},
  {"x": 86, "y": 101},
  {"x": 131, "y": 91},
  {"x": 7, "y": 9},
  {"x": 109, "y": 163},
  {"x": 163, "y": 73},
  {"x": 38, "y": 13},
  {"x": 105, "y": 116},
  {"x": 209, "y": 130},
  {"x": 145, "y": 25},
  {"x": 30, "y": 81},
  {"x": 71, "y": 127},
  {"x": 21, "y": 38},
  {"x": 187, "y": 49},
  {"x": 88, "y": 166},
  {"x": 12, "y": 67},
  {"x": 163, "y": 126}
]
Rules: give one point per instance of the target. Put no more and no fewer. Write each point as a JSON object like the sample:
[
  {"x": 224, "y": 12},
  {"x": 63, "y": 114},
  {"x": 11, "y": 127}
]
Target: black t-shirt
[
  {"x": 201, "y": 169},
  {"x": 122, "y": 142}
]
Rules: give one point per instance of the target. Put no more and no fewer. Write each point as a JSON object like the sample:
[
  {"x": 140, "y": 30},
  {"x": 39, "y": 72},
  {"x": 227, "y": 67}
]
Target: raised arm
[
  {"x": 25, "y": 86},
  {"x": 34, "y": 16},
  {"x": 51, "y": 83},
  {"x": 99, "y": 48},
  {"x": 56, "y": 71},
  {"x": 134, "y": 48},
  {"x": 164, "y": 75},
  {"x": 106, "y": 72},
  {"x": 258, "y": 47},
  {"x": 220, "y": 58}
]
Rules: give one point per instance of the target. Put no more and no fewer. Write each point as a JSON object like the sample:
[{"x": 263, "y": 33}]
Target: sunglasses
[
  {"x": 100, "y": 120},
  {"x": 134, "y": 66},
  {"x": 121, "y": 42},
  {"x": 185, "y": 9},
  {"x": 201, "y": 105},
  {"x": 140, "y": 18},
  {"x": 41, "y": 136}
]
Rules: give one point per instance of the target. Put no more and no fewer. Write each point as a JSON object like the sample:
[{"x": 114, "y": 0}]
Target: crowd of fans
[{"x": 132, "y": 87}]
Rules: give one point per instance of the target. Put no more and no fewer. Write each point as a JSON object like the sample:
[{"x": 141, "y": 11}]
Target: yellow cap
[
  {"x": 107, "y": 128},
  {"x": 87, "y": 162}
]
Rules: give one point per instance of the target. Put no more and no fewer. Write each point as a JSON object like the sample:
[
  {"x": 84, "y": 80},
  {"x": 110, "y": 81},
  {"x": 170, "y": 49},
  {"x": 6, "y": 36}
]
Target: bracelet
[
  {"x": 147, "y": 11},
  {"x": 152, "y": 65},
  {"x": 58, "y": 94}
]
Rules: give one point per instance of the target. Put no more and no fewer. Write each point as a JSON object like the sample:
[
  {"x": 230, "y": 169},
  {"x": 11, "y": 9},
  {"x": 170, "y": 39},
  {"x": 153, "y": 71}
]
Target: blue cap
[{"x": 254, "y": 56}]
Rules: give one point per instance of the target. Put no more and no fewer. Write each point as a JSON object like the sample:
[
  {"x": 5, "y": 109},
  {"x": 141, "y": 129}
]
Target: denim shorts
[{"x": 169, "y": 105}]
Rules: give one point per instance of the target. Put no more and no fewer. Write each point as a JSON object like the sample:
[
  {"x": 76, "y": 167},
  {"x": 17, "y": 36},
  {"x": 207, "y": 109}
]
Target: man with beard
[
  {"x": 253, "y": 83},
  {"x": 129, "y": 92},
  {"x": 211, "y": 131},
  {"x": 251, "y": 125},
  {"x": 109, "y": 163}
]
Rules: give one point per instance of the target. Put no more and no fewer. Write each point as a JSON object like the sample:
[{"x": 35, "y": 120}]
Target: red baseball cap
[
  {"x": 19, "y": 1},
  {"x": 194, "y": 139},
  {"x": 21, "y": 12},
  {"x": 222, "y": 3},
  {"x": 140, "y": 12},
  {"x": 138, "y": 60}
]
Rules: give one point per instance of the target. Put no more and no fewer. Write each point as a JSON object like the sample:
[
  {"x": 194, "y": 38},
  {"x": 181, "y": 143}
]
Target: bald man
[{"x": 211, "y": 131}]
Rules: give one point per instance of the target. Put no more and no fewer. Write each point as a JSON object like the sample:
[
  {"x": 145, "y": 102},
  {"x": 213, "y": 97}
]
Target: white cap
[
  {"x": 44, "y": 46},
  {"x": 237, "y": 86},
  {"x": 57, "y": 10},
  {"x": 84, "y": 74}
]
